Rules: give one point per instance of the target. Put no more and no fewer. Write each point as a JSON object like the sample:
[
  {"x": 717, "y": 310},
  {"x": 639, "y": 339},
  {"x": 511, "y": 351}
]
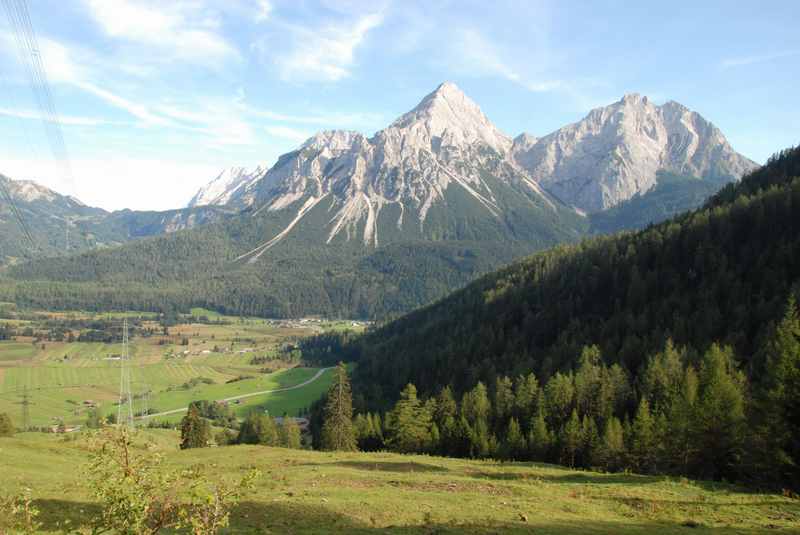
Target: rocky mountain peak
[{"x": 448, "y": 117}]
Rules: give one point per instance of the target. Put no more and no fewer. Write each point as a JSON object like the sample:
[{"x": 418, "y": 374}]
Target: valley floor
[{"x": 318, "y": 492}]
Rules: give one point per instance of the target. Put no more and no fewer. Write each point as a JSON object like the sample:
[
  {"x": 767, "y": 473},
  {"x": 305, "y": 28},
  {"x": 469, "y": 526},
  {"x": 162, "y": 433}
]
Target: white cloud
[
  {"x": 752, "y": 60},
  {"x": 325, "y": 52},
  {"x": 69, "y": 120},
  {"x": 178, "y": 30},
  {"x": 287, "y": 132}
]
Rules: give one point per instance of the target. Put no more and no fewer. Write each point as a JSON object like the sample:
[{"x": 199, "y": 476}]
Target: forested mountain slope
[
  {"x": 722, "y": 273},
  {"x": 60, "y": 225}
]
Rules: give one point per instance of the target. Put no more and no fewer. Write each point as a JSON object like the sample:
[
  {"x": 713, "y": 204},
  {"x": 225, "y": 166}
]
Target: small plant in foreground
[
  {"x": 18, "y": 514},
  {"x": 139, "y": 496}
]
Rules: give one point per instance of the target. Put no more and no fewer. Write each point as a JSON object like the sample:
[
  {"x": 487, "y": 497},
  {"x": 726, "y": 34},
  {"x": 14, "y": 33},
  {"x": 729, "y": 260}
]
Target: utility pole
[
  {"x": 125, "y": 407},
  {"x": 26, "y": 412}
]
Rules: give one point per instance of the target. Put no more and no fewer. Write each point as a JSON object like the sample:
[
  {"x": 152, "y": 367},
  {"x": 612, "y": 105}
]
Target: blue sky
[{"x": 156, "y": 97}]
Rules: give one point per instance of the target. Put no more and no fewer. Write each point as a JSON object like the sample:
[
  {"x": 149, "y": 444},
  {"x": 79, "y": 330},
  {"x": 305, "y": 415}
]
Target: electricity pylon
[{"x": 125, "y": 407}]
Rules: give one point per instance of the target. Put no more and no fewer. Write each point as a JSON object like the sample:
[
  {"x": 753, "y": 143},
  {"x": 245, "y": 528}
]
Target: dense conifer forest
[{"x": 672, "y": 349}]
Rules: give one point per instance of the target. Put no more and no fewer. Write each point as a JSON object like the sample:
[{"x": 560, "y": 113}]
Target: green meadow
[{"x": 311, "y": 492}]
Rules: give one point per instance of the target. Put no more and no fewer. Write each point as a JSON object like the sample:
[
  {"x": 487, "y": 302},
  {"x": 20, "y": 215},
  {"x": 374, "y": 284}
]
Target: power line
[{"x": 31, "y": 60}]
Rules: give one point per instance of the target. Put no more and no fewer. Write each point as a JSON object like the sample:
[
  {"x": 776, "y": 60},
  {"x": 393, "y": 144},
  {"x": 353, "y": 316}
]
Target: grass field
[
  {"x": 59, "y": 375},
  {"x": 317, "y": 492}
]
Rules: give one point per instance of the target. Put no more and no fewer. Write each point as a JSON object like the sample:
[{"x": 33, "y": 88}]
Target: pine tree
[
  {"x": 503, "y": 399},
  {"x": 6, "y": 425},
  {"x": 526, "y": 392},
  {"x": 289, "y": 433},
  {"x": 643, "y": 438},
  {"x": 540, "y": 441},
  {"x": 681, "y": 424},
  {"x": 337, "y": 430},
  {"x": 560, "y": 393},
  {"x": 411, "y": 423},
  {"x": 258, "y": 428},
  {"x": 779, "y": 401},
  {"x": 195, "y": 430},
  {"x": 720, "y": 415},
  {"x": 610, "y": 453},
  {"x": 446, "y": 406},
  {"x": 590, "y": 440},
  {"x": 514, "y": 445},
  {"x": 570, "y": 439}
]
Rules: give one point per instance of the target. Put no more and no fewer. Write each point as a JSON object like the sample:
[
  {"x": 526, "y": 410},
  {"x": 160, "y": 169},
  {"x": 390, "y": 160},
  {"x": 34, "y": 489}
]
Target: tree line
[{"x": 687, "y": 414}]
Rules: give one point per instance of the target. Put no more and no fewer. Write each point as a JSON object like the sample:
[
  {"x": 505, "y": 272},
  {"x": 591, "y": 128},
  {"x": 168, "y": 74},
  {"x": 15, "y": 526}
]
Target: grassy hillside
[
  {"x": 316, "y": 492},
  {"x": 192, "y": 361}
]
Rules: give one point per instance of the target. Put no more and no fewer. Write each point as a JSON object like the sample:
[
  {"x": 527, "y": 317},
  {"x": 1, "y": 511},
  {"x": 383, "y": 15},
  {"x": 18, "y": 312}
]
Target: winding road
[{"x": 243, "y": 396}]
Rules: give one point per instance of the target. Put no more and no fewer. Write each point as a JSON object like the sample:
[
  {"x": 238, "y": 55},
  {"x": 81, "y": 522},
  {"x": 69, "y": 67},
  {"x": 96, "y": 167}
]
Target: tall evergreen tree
[
  {"x": 410, "y": 429},
  {"x": 337, "y": 430},
  {"x": 514, "y": 444},
  {"x": 570, "y": 439},
  {"x": 540, "y": 440},
  {"x": 610, "y": 453},
  {"x": 720, "y": 415},
  {"x": 289, "y": 433},
  {"x": 195, "y": 430},
  {"x": 258, "y": 428},
  {"x": 643, "y": 438},
  {"x": 779, "y": 401}
]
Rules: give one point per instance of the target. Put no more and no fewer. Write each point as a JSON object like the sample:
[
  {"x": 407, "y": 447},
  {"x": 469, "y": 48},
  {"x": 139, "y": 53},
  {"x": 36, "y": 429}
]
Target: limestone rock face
[
  {"x": 616, "y": 151},
  {"x": 447, "y": 147}
]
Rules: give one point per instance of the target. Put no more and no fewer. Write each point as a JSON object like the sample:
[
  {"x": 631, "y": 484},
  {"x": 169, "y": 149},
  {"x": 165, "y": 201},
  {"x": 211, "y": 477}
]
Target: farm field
[
  {"x": 304, "y": 491},
  {"x": 170, "y": 366}
]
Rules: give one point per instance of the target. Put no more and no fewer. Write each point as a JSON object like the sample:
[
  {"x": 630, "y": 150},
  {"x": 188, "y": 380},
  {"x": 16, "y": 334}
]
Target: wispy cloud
[
  {"x": 324, "y": 52},
  {"x": 70, "y": 120},
  {"x": 178, "y": 30},
  {"x": 482, "y": 56},
  {"x": 752, "y": 60}
]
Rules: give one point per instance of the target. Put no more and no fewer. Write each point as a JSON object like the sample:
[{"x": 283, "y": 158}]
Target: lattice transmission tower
[{"x": 125, "y": 407}]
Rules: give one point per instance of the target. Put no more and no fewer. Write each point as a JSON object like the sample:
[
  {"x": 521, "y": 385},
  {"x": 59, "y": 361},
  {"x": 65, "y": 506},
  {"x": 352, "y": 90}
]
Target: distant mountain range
[
  {"x": 350, "y": 225},
  {"x": 60, "y": 224},
  {"x": 615, "y": 153}
]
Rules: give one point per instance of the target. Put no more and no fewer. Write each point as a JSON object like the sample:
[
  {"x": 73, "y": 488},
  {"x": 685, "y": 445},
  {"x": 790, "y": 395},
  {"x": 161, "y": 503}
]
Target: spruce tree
[
  {"x": 590, "y": 440},
  {"x": 610, "y": 453},
  {"x": 411, "y": 424},
  {"x": 514, "y": 445},
  {"x": 681, "y": 436},
  {"x": 289, "y": 433},
  {"x": 570, "y": 439},
  {"x": 195, "y": 430},
  {"x": 337, "y": 429},
  {"x": 643, "y": 438},
  {"x": 526, "y": 391},
  {"x": 258, "y": 428},
  {"x": 540, "y": 441},
  {"x": 503, "y": 399},
  {"x": 779, "y": 401},
  {"x": 720, "y": 415}
]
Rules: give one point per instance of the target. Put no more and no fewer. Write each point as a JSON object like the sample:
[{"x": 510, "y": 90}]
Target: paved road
[{"x": 251, "y": 394}]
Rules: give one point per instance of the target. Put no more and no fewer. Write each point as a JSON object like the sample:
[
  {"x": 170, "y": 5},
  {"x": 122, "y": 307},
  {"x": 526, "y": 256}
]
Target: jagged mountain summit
[
  {"x": 617, "y": 151},
  {"x": 440, "y": 171}
]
